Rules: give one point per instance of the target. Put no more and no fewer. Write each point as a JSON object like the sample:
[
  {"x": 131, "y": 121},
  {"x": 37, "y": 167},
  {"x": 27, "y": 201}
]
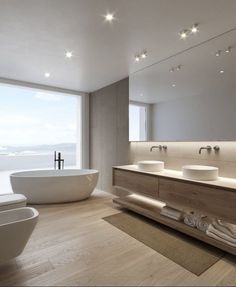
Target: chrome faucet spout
[
  {"x": 156, "y": 147},
  {"x": 208, "y": 148}
]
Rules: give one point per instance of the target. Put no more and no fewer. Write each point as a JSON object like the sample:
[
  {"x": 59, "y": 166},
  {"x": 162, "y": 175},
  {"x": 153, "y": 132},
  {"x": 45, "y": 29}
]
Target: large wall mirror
[{"x": 187, "y": 97}]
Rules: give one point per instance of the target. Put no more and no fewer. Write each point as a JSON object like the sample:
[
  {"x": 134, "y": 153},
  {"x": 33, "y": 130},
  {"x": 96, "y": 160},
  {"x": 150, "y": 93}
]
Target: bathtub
[
  {"x": 54, "y": 186},
  {"x": 16, "y": 227}
]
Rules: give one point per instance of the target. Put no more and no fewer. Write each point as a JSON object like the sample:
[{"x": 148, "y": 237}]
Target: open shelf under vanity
[{"x": 155, "y": 191}]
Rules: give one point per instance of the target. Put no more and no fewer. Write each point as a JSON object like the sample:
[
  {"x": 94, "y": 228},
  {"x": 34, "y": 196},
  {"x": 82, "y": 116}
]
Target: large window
[{"x": 34, "y": 124}]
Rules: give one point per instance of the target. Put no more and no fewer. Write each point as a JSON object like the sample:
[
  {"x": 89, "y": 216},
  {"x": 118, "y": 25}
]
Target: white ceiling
[{"x": 34, "y": 35}]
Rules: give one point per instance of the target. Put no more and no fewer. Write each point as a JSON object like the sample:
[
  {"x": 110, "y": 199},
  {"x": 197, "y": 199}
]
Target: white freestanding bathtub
[
  {"x": 54, "y": 186},
  {"x": 16, "y": 227}
]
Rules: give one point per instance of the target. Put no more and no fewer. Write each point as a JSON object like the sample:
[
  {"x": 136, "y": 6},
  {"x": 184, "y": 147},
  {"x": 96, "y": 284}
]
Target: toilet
[
  {"x": 12, "y": 201},
  {"x": 16, "y": 227}
]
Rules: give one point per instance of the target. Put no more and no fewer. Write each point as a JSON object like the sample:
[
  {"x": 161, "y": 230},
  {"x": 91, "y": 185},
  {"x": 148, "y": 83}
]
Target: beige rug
[{"x": 188, "y": 252}]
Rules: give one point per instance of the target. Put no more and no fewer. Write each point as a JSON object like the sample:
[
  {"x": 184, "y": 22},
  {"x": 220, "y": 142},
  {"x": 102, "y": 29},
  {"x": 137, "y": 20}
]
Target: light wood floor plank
[{"x": 73, "y": 246}]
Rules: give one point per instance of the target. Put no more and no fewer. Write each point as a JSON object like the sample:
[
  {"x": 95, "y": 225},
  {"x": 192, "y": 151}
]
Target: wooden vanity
[{"x": 214, "y": 198}]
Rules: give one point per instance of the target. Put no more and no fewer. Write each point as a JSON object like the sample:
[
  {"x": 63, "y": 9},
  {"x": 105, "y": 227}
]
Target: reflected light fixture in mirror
[
  {"x": 109, "y": 17},
  {"x": 195, "y": 104},
  {"x": 68, "y": 54}
]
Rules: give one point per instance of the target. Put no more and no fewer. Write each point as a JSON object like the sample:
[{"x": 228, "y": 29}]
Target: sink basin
[
  {"x": 200, "y": 172},
  {"x": 151, "y": 165}
]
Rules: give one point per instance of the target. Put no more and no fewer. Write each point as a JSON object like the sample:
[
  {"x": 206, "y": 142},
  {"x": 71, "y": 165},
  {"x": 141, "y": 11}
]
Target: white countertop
[{"x": 224, "y": 182}]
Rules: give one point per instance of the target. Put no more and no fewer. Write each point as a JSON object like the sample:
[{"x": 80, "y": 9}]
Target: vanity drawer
[
  {"x": 211, "y": 200},
  {"x": 136, "y": 182}
]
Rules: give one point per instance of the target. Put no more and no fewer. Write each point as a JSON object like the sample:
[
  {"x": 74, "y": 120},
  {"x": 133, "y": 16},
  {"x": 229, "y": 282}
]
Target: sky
[{"x": 33, "y": 117}]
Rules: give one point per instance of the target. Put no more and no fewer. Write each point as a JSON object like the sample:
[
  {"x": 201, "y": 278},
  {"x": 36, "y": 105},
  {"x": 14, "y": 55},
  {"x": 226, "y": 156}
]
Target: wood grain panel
[
  {"x": 216, "y": 201},
  {"x": 135, "y": 182},
  {"x": 153, "y": 212}
]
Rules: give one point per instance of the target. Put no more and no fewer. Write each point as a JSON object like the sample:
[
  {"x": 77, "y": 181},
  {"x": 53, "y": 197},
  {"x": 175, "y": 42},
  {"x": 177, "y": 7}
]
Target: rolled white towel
[
  {"x": 190, "y": 219},
  {"x": 202, "y": 222},
  {"x": 225, "y": 227},
  {"x": 222, "y": 235},
  {"x": 172, "y": 213},
  {"x": 212, "y": 232}
]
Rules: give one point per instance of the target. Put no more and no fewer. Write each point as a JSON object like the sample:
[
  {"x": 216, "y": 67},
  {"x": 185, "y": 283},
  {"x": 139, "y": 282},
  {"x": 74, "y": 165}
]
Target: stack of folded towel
[
  {"x": 197, "y": 220},
  {"x": 172, "y": 213},
  {"x": 190, "y": 219},
  {"x": 222, "y": 231},
  {"x": 203, "y": 223}
]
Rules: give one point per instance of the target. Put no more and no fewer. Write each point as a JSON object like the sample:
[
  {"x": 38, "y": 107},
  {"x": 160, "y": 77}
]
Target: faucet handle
[
  {"x": 216, "y": 148},
  {"x": 164, "y": 147}
]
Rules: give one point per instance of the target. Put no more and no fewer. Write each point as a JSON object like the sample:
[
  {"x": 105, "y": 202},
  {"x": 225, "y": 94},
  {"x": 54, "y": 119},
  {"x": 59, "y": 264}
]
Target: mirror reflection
[{"x": 190, "y": 96}]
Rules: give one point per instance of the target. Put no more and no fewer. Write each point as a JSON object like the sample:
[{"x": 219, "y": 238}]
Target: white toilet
[
  {"x": 16, "y": 227},
  {"x": 12, "y": 201}
]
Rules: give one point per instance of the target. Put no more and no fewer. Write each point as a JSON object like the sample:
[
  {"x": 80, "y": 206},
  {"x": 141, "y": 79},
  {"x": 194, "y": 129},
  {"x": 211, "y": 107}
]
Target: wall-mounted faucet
[
  {"x": 208, "y": 148},
  {"x": 160, "y": 147},
  {"x": 58, "y": 161},
  {"x": 155, "y": 146}
]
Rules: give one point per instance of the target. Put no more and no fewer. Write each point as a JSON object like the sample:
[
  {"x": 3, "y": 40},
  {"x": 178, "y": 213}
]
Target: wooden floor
[{"x": 72, "y": 245}]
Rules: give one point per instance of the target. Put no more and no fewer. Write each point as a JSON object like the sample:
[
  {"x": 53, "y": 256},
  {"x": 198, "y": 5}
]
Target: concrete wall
[{"x": 109, "y": 143}]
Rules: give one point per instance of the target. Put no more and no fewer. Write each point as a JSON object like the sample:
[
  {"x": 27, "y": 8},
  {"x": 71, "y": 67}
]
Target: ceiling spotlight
[
  {"x": 137, "y": 58},
  {"x": 109, "y": 17},
  {"x": 173, "y": 85},
  {"x": 172, "y": 70},
  {"x": 194, "y": 29},
  {"x": 218, "y": 53},
  {"x": 47, "y": 75},
  {"x": 228, "y": 50},
  {"x": 184, "y": 34},
  {"x": 69, "y": 54},
  {"x": 222, "y": 71},
  {"x": 178, "y": 67},
  {"x": 144, "y": 55}
]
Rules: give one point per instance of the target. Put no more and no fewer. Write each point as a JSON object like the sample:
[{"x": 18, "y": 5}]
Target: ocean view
[{"x": 35, "y": 156}]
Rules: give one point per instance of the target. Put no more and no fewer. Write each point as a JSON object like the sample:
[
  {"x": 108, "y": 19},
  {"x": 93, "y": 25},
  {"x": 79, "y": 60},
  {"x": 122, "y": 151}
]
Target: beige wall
[
  {"x": 109, "y": 130},
  {"x": 181, "y": 153}
]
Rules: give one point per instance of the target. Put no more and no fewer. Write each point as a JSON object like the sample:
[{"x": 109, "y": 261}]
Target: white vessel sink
[
  {"x": 151, "y": 165},
  {"x": 200, "y": 172}
]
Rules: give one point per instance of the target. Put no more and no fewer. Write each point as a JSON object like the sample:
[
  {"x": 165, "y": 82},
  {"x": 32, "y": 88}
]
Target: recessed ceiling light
[
  {"x": 228, "y": 50},
  {"x": 194, "y": 29},
  {"x": 184, "y": 34},
  {"x": 69, "y": 54},
  {"x": 109, "y": 17},
  {"x": 222, "y": 71},
  {"x": 178, "y": 67},
  {"x": 218, "y": 53},
  {"x": 137, "y": 58},
  {"x": 173, "y": 85},
  {"x": 47, "y": 75}
]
